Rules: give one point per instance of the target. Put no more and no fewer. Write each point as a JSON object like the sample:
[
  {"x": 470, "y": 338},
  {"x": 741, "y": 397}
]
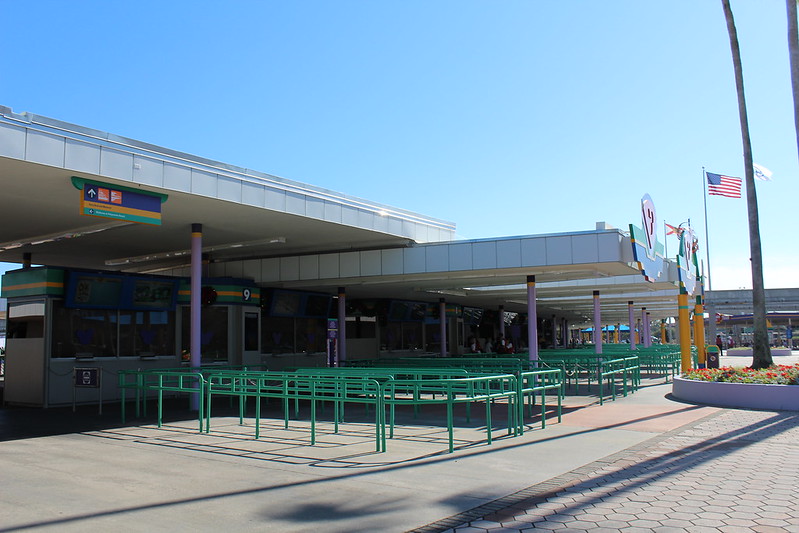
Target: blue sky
[{"x": 507, "y": 118}]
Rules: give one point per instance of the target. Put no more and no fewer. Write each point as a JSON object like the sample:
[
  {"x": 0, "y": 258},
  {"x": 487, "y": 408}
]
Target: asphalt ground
[{"x": 644, "y": 462}]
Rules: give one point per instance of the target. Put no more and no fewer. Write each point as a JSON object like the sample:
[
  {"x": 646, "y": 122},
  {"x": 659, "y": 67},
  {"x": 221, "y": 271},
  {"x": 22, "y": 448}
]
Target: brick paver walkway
[{"x": 737, "y": 470}]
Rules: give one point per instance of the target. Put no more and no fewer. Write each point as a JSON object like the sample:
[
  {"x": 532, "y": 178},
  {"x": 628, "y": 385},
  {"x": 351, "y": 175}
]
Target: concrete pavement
[{"x": 642, "y": 461}]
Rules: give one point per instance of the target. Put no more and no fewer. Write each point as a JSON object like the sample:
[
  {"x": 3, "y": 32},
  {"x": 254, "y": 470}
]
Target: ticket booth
[
  {"x": 62, "y": 319},
  {"x": 230, "y": 321}
]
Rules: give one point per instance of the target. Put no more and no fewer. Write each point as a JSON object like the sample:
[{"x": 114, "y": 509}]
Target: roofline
[{"x": 110, "y": 140}]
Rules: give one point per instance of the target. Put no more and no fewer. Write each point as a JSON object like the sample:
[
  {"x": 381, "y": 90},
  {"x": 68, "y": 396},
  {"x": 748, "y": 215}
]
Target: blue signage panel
[{"x": 119, "y": 203}]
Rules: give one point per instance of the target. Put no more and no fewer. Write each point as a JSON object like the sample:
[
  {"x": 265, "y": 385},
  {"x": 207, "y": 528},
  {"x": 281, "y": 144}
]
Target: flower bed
[
  {"x": 774, "y": 388},
  {"x": 775, "y": 375}
]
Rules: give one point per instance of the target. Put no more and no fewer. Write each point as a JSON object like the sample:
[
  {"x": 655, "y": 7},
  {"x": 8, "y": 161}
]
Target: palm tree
[
  {"x": 761, "y": 353},
  {"x": 793, "y": 53}
]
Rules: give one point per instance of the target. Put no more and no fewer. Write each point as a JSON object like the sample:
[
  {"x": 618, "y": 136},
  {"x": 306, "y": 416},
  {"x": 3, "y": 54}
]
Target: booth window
[
  {"x": 213, "y": 333},
  {"x": 403, "y": 335},
  {"x": 250, "y": 332},
  {"x": 293, "y": 335},
  {"x": 25, "y": 321},
  {"x": 147, "y": 333},
  {"x": 84, "y": 332},
  {"x": 111, "y": 333}
]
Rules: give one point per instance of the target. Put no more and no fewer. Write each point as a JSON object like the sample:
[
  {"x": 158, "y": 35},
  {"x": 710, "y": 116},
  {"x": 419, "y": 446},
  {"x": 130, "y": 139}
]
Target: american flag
[{"x": 723, "y": 185}]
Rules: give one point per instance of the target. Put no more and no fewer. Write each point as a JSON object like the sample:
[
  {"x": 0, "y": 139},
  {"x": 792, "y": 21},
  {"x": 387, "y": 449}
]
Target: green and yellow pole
[
  {"x": 699, "y": 331},
  {"x": 683, "y": 316}
]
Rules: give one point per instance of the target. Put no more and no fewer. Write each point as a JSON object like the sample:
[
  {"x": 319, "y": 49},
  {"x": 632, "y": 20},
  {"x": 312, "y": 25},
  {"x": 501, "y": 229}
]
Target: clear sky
[{"x": 507, "y": 118}]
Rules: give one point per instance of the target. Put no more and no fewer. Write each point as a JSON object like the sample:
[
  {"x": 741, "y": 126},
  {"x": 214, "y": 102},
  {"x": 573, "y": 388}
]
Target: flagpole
[
  {"x": 710, "y": 306},
  {"x": 707, "y": 234},
  {"x": 666, "y": 239}
]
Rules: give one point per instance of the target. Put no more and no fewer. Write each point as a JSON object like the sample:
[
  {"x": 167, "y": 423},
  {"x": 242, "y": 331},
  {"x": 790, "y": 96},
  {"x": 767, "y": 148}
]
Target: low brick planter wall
[{"x": 745, "y": 395}]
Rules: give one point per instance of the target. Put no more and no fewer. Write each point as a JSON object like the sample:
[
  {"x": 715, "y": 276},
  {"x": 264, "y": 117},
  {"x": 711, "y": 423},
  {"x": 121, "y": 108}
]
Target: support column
[
  {"x": 597, "y": 325},
  {"x": 195, "y": 303},
  {"x": 554, "y": 332},
  {"x": 632, "y": 324},
  {"x": 532, "y": 319},
  {"x": 699, "y": 332},
  {"x": 442, "y": 313},
  {"x": 663, "y": 338},
  {"x": 342, "y": 325},
  {"x": 502, "y": 321},
  {"x": 27, "y": 260},
  {"x": 684, "y": 320},
  {"x": 644, "y": 335}
]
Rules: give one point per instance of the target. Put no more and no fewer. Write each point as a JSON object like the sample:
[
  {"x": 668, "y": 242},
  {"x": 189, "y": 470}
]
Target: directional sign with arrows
[{"x": 120, "y": 203}]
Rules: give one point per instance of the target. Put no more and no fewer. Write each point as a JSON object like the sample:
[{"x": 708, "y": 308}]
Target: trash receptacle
[{"x": 713, "y": 356}]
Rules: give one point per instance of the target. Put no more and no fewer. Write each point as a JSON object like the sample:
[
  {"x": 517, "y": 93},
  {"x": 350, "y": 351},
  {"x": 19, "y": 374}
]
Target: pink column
[
  {"x": 532, "y": 319},
  {"x": 342, "y": 325}
]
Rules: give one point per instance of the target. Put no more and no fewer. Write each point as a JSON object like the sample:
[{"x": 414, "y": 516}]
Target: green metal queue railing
[{"x": 381, "y": 389}]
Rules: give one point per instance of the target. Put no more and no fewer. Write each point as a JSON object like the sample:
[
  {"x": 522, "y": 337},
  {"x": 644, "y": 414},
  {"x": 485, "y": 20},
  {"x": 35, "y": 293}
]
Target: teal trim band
[{"x": 154, "y": 221}]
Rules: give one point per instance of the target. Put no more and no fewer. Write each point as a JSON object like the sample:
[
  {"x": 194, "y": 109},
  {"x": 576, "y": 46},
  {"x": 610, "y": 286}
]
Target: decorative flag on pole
[
  {"x": 673, "y": 230},
  {"x": 761, "y": 172},
  {"x": 723, "y": 185}
]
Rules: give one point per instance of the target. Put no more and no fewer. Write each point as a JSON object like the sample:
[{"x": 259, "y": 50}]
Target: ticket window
[
  {"x": 25, "y": 321},
  {"x": 214, "y": 334},
  {"x": 251, "y": 336}
]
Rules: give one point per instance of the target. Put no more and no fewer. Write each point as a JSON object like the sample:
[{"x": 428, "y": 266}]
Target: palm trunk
[
  {"x": 761, "y": 353},
  {"x": 793, "y": 54}
]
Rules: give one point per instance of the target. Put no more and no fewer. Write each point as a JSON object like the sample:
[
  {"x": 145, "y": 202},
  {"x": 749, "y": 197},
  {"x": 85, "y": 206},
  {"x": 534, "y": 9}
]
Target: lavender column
[
  {"x": 195, "y": 304},
  {"x": 342, "y": 325},
  {"x": 442, "y": 314},
  {"x": 532, "y": 319},
  {"x": 597, "y": 325},
  {"x": 632, "y": 324}
]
